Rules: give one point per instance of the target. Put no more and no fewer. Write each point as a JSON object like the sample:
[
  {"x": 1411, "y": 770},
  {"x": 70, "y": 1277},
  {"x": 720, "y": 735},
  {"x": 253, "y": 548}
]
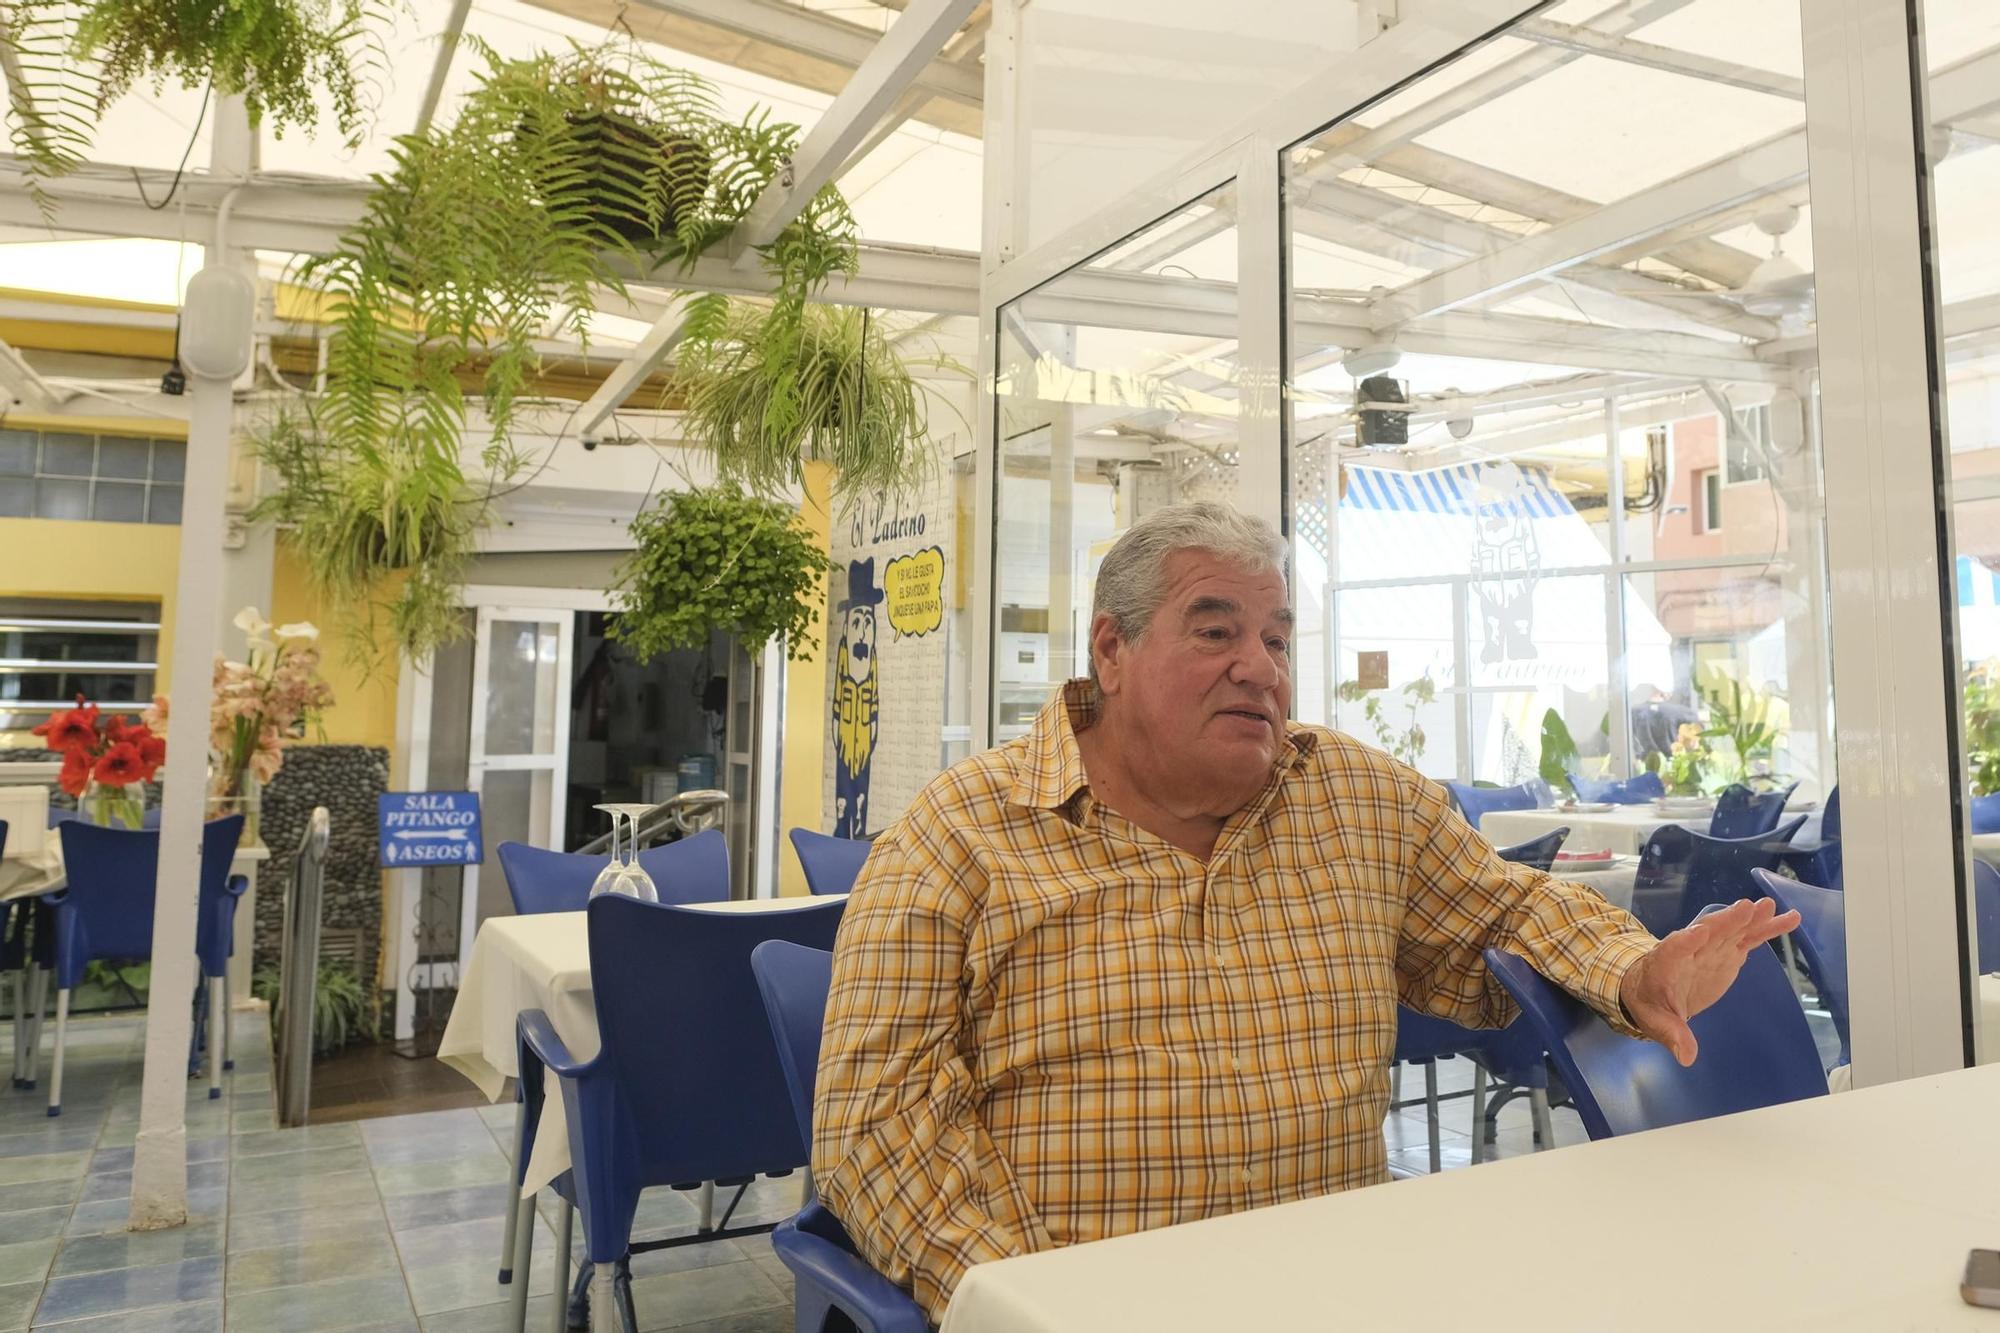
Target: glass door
[{"x": 518, "y": 754}]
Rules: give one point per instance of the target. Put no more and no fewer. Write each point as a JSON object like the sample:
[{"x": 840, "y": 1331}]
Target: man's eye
[{"x": 1278, "y": 645}]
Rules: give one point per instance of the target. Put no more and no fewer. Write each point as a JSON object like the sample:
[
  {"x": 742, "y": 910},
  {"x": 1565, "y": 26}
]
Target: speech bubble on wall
[{"x": 913, "y": 586}]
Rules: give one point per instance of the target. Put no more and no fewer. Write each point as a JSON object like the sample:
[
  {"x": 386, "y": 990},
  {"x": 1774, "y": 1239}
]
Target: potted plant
[
  {"x": 718, "y": 559},
  {"x": 282, "y": 57},
  {"x": 258, "y": 705},
  {"x": 106, "y": 762},
  {"x": 768, "y": 389},
  {"x": 559, "y": 175},
  {"x": 1684, "y": 771},
  {"x": 1404, "y": 743}
]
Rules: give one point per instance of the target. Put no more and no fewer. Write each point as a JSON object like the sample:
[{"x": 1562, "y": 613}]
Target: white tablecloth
[
  {"x": 1613, "y": 880},
  {"x": 1986, "y": 847},
  {"x": 1865, "y": 1206},
  {"x": 1623, "y": 830},
  {"x": 541, "y": 962}
]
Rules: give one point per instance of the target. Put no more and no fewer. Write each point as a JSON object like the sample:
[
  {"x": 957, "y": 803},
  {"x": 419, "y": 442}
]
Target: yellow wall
[
  {"x": 804, "y": 741},
  {"x": 364, "y": 709},
  {"x": 107, "y": 562}
]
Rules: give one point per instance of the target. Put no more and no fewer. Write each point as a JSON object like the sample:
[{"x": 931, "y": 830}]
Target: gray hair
[{"x": 1131, "y": 582}]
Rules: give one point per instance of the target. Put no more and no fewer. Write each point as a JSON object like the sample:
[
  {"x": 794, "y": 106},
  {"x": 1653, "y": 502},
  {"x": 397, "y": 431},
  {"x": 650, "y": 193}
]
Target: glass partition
[
  {"x": 1115, "y": 394},
  {"x": 1556, "y": 504},
  {"x": 1962, "y": 62}
]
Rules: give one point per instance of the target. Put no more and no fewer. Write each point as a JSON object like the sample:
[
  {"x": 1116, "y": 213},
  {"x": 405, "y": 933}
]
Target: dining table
[
  {"x": 1623, "y": 829},
  {"x": 1854, "y": 1212},
  {"x": 542, "y": 961}
]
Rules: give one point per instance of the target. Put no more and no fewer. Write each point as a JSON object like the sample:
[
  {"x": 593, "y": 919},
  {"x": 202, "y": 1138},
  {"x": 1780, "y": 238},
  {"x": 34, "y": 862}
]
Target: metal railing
[
  {"x": 684, "y": 815},
  {"x": 298, "y": 971}
]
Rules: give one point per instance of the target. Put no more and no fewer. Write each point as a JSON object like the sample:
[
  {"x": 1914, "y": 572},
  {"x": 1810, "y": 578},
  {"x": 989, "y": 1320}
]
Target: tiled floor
[
  {"x": 379, "y": 1224},
  {"x": 383, "y": 1224}
]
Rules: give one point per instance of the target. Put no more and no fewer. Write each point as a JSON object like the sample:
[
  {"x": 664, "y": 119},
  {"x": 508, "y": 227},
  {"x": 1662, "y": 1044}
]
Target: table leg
[
  {"x": 524, "y": 1254},
  {"x": 518, "y": 1164},
  {"x": 1478, "y": 1113},
  {"x": 1431, "y": 1113},
  {"x": 1538, "y": 1109}
]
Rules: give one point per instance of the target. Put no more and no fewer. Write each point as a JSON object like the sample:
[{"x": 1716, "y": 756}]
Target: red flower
[
  {"x": 68, "y": 730},
  {"x": 152, "y": 750},
  {"x": 75, "y": 772},
  {"x": 120, "y": 765},
  {"x": 115, "y": 728}
]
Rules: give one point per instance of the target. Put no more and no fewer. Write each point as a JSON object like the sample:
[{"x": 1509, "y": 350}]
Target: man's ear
[{"x": 1107, "y": 652}]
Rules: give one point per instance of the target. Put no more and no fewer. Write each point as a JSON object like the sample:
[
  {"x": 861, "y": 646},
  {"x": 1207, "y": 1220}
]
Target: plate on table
[
  {"x": 1684, "y": 805},
  {"x": 1585, "y": 807}
]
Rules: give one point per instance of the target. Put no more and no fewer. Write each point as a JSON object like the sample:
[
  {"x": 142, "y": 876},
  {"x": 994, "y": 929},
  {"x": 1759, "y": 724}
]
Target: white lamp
[{"x": 216, "y": 321}]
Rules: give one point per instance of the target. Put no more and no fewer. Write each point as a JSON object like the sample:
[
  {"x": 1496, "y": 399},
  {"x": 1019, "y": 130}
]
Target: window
[
  {"x": 51, "y": 651},
  {"x": 1748, "y": 445},
  {"x": 1708, "y": 511},
  {"x": 102, "y": 478}
]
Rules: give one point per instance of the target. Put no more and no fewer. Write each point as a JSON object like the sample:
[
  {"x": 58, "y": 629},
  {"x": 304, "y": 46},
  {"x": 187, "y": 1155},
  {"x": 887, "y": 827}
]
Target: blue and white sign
[{"x": 430, "y": 828}]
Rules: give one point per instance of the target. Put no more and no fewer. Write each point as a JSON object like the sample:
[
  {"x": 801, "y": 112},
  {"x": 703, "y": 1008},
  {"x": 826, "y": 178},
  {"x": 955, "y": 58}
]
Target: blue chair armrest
[
  {"x": 863, "y": 1294},
  {"x": 539, "y": 1036},
  {"x": 237, "y": 886}
]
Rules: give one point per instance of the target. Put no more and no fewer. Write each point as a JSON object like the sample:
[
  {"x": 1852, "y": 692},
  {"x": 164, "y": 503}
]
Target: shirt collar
[{"x": 1051, "y": 770}]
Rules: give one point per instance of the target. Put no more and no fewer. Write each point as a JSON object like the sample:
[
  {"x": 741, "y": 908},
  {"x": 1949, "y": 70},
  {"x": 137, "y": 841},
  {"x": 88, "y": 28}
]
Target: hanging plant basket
[{"x": 713, "y": 560}]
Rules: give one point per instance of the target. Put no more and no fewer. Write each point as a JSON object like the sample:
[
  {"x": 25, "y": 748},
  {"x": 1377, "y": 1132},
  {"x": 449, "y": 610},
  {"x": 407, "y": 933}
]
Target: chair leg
[
  {"x": 565, "y": 1230},
  {"x": 1395, "y": 1083},
  {"x": 19, "y": 992},
  {"x": 56, "y": 1064},
  {"x": 524, "y": 1254},
  {"x": 215, "y": 1003},
  {"x": 707, "y": 1206},
  {"x": 38, "y": 1000},
  {"x": 628, "y": 1314},
  {"x": 1538, "y": 1109},
  {"x": 605, "y": 1316},
  {"x": 1478, "y": 1114},
  {"x": 519, "y": 1166},
  {"x": 1431, "y": 1113},
  {"x": 228, "y": 1033}
]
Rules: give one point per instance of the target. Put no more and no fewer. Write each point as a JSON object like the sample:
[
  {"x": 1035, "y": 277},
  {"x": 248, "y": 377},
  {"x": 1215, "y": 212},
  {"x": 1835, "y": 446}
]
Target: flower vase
[
  {"x": 246, "y": 798},
  {"x": 113, "y": 806}
]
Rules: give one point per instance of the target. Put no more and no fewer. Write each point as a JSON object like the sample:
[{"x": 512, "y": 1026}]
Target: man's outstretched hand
[{"x": 1693, "y": 967}]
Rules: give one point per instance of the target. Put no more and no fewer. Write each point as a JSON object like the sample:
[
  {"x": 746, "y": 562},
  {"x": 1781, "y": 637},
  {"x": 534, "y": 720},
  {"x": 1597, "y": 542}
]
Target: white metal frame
[{"x": 1887, "y": 543}]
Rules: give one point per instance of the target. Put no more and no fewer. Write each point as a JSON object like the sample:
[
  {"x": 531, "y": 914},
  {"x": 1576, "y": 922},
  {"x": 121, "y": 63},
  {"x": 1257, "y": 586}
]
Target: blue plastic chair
[
  {"x": 692, "y": 870},
  {"x": 1635, "y": 790},
  {"x": 106, "y": 912},
  {"x": 831, "y": 1275},
  {"x": 1985, "y": 813},
  {"x": 148, "y": 818},
  {"x": 1755, "y": 1051},
  {"x": 1986, "y": 915},
  {"x": 1822, "y": 865},
  {"x": 1474, "y": 801},
  {"x": 1681, "y": 871},
  {"x": 1821, "y": 939},
  {"x": 1742, "y": 813},
  {"x": 1422, "y": 1039},
  {"x": 672, "y": 1103},
  {"x": 831, "y": 864}
]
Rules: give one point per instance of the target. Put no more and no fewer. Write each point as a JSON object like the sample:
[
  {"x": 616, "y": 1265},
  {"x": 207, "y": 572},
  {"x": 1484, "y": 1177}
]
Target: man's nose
[{"x": 1257, "y": 666}]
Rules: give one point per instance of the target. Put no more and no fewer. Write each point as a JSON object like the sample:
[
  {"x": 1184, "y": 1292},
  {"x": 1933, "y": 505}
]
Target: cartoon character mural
[
  {"x": 857, "y": 700},
  {"x": 1506, "y": 563}
]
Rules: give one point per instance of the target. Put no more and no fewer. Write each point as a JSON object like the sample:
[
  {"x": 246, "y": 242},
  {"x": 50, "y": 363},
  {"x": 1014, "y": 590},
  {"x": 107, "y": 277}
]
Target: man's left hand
[{"x": 1693, "y": 967}]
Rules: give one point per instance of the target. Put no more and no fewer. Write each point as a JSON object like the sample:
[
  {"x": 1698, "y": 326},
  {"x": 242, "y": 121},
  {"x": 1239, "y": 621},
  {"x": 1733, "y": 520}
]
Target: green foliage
[
  {"x": 1741, "y": 717},
  {"x": 561, "y": 175},
  {"x": 343, "y": 1009},
  {"x": 1982, "y": 727},
  {"x": 1559, "y": 752},
  {"x": 280, "y": 56},
  {"x": 1686, "y": 771},
  {"x": 768, "y": 389},
  {"x": 717, "y": 559},
  {"x": 1405, "y": 743},
  {"x": 134, "y": 979}
]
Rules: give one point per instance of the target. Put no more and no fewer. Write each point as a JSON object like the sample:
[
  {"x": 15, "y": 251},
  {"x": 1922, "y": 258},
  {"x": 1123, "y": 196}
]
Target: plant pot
[{"x": 602, "y": 135}]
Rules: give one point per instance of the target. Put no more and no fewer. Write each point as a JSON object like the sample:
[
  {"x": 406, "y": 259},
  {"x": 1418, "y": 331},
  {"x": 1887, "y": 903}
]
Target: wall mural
[{"x": 886, "y": 677}]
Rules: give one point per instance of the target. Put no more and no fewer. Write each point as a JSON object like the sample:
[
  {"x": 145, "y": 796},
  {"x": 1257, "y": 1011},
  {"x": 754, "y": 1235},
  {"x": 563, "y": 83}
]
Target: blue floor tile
[{"x": 130, "y": 1289}]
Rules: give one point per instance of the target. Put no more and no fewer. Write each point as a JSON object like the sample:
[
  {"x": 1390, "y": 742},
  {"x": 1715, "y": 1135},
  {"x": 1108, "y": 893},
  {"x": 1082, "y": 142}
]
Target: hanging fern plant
[
  {"x": 713, "y": 560},
  {"x": 769, "y": 389},
  {"x": 77, "y": 57},
  {"x": 560, "y": 175}
]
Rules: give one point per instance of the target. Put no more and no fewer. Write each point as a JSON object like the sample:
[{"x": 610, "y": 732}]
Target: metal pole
[
  {"x": 299, "y": 971},
  {"x": 159, "y": 1159}
]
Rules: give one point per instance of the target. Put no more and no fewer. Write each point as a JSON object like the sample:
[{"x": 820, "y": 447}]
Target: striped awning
[{"x": 1461, "y": 490}]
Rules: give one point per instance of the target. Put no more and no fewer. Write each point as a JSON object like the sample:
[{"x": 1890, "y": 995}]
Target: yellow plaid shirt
[{"x": 1049, "y": 1026}]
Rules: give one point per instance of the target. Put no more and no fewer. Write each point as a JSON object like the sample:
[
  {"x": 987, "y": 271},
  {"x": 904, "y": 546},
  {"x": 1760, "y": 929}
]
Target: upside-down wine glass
[{"x": 625, "y": 876}]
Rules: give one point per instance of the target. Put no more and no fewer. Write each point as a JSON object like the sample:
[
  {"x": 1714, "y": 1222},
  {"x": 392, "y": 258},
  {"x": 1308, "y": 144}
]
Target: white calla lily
[
  {"x": 298, "y": 629},
  {"x": 251, "y": 621}
]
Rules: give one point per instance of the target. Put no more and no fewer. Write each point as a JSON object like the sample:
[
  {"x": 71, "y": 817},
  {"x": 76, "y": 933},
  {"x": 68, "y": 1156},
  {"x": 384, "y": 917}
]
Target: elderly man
[{"x": 1141, "y": 966}]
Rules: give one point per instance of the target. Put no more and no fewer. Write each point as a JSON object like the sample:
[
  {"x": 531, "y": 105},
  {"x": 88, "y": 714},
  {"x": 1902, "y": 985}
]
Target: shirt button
[
  {"x": 1235, "y": 1064},
  {"x": 1216, "y": 959},
  {"x": 1249, "y": 1174}
]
